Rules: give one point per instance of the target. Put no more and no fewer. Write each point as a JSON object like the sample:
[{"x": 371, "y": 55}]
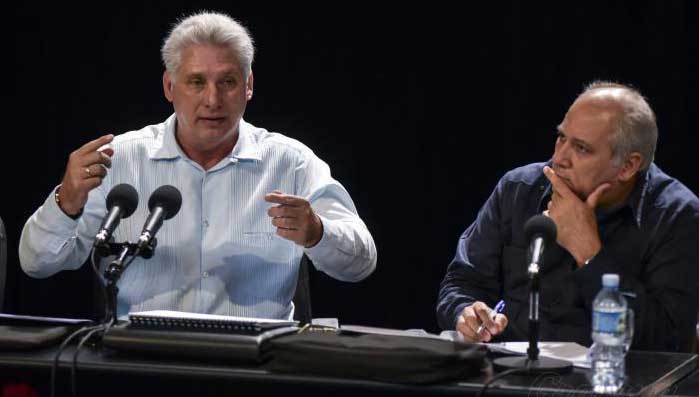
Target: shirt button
[{"x": 205, "y": 274}]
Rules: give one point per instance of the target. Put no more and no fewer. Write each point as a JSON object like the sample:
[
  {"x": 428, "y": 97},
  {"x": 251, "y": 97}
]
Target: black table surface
[{"x": 105, "y": 372}]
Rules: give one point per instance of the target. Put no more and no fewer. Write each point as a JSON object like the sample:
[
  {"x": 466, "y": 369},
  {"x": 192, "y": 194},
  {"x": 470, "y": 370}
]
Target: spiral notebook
[
  {"x": 161, "y": 319},
  {"x": 201, "y": 344}
]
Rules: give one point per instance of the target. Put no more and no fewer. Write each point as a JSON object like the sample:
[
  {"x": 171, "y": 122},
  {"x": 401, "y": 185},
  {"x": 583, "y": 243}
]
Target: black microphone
[
  {"x": 164, "y": 203},
  {"x": 540, "y": 231},
  {"x": 122, "y": 201}
]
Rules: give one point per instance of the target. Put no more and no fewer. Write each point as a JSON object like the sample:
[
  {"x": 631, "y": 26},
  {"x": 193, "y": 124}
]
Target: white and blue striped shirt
[{"x": 220, "y": 254}]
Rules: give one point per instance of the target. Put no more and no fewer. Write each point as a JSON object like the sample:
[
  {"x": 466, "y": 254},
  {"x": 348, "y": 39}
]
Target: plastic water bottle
[{"x": 609, "y": 332}]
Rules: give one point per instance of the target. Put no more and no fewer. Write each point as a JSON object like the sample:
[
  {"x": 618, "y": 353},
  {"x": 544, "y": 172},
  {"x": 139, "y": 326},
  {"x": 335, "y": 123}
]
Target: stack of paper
[{"x": 569, "y": 351}]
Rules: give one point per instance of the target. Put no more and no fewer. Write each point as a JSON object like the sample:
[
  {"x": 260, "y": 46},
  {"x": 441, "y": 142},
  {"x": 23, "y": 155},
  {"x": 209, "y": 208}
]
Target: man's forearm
[{"x": 49, "y": 242}]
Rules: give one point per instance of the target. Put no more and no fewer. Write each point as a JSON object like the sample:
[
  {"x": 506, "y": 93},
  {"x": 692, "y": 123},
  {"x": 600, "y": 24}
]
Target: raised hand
[
  {"x": 84, "y": 172},
  {"x": 575, "y": 219}
]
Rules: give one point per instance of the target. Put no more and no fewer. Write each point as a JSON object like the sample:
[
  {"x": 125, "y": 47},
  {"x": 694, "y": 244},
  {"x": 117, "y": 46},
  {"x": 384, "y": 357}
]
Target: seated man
[
  {"x": 615, "y": 211},
  {"x": 253, "y": 201}
]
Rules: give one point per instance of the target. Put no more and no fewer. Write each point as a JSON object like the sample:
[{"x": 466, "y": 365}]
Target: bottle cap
[{"x": 610, "y": 280}]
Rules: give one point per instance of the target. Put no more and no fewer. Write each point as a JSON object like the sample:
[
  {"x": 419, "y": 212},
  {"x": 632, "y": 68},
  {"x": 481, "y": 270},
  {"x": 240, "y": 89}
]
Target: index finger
[
  {"x": 96, "y": 144},
  {"x": 484, "y": 313},
  {"x": 487, "y": 327},
  {"x": 501, "y": 322},
  {"x": 285, "y": 199},
  {"x": 559, "y": 186}
]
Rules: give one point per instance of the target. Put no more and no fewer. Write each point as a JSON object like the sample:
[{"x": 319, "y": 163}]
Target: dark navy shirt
[{"x": 652, "y": 242}]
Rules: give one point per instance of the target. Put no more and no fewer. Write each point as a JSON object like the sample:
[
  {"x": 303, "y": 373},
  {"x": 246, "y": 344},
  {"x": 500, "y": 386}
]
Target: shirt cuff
[
  {"x": 51, "y": 214},
  {"x": 329, "y": 242}
]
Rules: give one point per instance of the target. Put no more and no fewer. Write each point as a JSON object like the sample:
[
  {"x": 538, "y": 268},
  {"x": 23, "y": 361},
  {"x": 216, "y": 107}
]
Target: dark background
[{"x": 418, "y": 111}]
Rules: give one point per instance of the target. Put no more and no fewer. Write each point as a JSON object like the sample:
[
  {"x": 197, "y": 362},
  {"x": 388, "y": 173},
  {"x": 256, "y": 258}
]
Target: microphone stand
[
  {"x": 117, "y": 267},
  {"x": 532, "y": 363}
]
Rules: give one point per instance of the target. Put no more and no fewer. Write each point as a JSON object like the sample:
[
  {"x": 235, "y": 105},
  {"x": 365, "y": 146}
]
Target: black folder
[
  {"x": 233, "y": 347},
  {"x": 20, "y": 332}
]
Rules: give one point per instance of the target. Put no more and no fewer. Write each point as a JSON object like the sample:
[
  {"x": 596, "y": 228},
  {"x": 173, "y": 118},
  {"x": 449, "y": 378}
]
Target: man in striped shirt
[{"x": 253, "y": 201}]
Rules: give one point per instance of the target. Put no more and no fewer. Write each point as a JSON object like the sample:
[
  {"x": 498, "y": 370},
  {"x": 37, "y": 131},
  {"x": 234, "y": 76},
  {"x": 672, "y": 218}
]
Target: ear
[
  {"x": 248, "y": 87},
  {"x": 630, "y": 167},
  {"x": 167, "y": 86}
]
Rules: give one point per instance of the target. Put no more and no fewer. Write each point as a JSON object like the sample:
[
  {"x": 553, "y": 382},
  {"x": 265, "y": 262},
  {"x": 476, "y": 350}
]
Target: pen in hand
[{"x": 498, "y": 309}]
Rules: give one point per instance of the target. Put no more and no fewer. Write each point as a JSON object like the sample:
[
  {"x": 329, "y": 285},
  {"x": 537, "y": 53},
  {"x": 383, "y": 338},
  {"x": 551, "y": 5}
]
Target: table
[{"x": 109, "y": 373}]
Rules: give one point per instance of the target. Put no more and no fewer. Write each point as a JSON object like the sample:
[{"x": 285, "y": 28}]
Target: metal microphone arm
[
  {"x": 533, "y": 364},
  {"x": 533, "y": 272},
  {"x": 117, "y": 267}
]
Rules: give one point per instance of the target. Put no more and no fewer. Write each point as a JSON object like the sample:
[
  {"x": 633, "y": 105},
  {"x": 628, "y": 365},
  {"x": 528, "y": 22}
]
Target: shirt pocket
[
  {"x": 269, "y": 246},
  {"x": 260, "y": 239}
]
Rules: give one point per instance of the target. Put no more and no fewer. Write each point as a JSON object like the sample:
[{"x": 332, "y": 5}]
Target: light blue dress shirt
[{"x": 220, "y": 254}]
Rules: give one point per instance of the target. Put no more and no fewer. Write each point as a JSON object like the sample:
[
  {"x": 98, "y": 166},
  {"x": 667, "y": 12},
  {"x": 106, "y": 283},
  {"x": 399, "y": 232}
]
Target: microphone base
[{"x": 538, "y": 366}]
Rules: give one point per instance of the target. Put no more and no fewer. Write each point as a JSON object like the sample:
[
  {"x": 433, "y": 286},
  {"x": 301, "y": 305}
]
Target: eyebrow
[
  {"x": 587, "y": 145},
  {"x": 225, "y": 72}
]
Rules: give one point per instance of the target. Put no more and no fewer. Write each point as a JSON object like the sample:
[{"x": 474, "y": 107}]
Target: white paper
[
  {"x": 362, "y": 329},
  {"x": 569, "y": 351},
  {"x": 210, "y": 317}
]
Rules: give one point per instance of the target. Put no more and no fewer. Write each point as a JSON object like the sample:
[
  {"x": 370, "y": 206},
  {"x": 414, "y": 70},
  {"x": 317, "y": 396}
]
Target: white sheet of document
[
  {"x": 211, "y": 317},
  {"x": 569, "y": 351}
]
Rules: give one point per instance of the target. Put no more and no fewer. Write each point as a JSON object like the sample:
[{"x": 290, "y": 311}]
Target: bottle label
[{"x": 609, "y": 322}]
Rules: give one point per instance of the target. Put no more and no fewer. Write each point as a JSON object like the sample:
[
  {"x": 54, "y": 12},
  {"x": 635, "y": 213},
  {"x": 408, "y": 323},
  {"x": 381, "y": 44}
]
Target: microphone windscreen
[
  {"x": 125, "y": 196},
  {"x": 540, "y": 225},
  {"x": 168, "y": 198}
]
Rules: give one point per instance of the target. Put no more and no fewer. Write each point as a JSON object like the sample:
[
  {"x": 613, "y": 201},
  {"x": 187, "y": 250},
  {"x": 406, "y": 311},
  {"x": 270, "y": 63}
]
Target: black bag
[
  {"x": 399, "y": 359},
  {"x": 227, "y": 346},
  {"x": 30, "y": 337},
  {"x": 18, "y": 332}
]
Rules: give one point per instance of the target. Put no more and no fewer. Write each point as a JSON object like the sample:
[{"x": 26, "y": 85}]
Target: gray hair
[
  {"x": 207, "y": 28},
  {"x": 637, "y": 130}
]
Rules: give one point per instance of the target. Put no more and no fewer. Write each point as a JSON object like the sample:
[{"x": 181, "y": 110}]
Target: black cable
[
  {"x": 106, "y": 323},
  {"x": 95, "y": 265},
  {"x": 103, "y": 284},
  {"x": 61, "y": 348},
  {"x": 499, "y": 376},
  {"x": 100, "y": 280},
  {"x": 73, "y": 368}
]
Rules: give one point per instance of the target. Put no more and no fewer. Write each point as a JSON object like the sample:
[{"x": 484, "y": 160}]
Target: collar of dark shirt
[{"x": 632, "y": 206}]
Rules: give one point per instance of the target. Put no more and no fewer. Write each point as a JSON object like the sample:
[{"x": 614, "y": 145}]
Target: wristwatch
[{"x": 57, "y": 199}]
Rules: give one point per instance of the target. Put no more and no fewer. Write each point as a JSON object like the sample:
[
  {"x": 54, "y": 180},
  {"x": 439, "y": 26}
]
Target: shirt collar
[
  {"x": 634, "y": 202},
  {"x": 246, "y": 148},
  {"x": 167, "y": 147},
  {"x": 638, "y": 195}
]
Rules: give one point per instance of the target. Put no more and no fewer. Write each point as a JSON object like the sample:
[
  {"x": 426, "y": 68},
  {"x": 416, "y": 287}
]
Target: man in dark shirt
[{"x": 615, "y": 212}]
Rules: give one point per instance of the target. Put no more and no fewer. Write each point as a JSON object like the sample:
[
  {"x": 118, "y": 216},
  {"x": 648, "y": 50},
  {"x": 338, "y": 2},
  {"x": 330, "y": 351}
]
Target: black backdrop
[{"x": 418, "y": 111}]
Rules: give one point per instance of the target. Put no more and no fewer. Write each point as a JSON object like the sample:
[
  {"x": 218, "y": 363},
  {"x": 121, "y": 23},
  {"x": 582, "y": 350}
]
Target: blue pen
[{"x": 498, "y": 309}]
